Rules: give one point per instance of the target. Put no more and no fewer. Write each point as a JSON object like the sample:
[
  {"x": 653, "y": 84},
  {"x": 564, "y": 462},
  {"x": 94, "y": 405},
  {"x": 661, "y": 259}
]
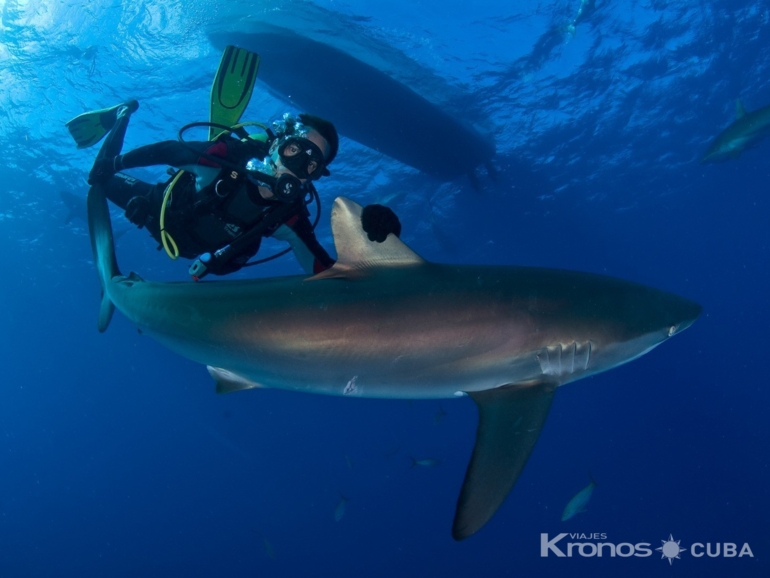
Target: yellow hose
[
  {"x": 173, "y": 251},
  {"x": 241, "y": 125},
  {"x": 167, "y": 239}
]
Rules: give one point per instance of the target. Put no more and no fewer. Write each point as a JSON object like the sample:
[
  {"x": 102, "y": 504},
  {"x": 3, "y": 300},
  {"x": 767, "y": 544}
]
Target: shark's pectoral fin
[
  {"x": 355, "y": 252},
  {"x": 510, "y": 420},
  {"x": 228, "y": 382}
]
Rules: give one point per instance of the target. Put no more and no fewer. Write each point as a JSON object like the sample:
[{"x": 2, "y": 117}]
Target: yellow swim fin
[
  {"x": 232, "y": 88},
  {"x": 90, "y": 127}
]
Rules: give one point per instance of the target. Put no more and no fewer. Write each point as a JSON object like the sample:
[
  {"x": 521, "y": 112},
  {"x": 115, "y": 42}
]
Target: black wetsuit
[{"x": 205, "y": 217}]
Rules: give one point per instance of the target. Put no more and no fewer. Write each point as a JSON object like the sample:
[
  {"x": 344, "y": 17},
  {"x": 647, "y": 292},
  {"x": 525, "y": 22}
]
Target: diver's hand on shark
[{"x": 378, "y": 221}]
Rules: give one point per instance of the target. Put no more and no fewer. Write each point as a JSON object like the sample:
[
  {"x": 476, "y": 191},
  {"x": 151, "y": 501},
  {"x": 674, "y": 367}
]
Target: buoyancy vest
[{"x": 207, "y": 220}]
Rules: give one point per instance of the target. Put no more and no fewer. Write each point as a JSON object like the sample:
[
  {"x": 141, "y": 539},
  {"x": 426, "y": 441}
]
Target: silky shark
[
  {"x": 747, "y": 130},
  {"x": 384, "y": 323}
]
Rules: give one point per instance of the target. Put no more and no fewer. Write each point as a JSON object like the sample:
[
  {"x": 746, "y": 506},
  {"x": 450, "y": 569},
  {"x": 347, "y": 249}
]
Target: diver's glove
[
  {"x": 379, "y": 221},
  {"x": 138, "y": 210},
  {"x": 104, "y": 169}
]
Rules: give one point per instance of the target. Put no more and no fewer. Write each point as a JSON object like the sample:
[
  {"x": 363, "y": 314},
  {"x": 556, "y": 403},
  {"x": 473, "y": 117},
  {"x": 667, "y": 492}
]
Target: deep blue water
[{"x": 118, "y": 459}]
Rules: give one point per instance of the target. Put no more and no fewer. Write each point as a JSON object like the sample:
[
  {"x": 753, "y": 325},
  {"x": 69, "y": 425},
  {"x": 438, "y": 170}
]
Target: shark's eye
[{"x": 672, "y": 330}]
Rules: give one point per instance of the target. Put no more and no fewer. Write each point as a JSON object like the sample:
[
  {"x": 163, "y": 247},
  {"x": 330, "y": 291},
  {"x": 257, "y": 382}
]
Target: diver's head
[
  {"x": 299, "y": 154},
  {"x": 326, "y": 132},
  {"x": 304, "y": 146}
]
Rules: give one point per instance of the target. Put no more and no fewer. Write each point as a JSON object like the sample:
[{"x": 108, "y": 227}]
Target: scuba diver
[{"x": 226, "y": 193}]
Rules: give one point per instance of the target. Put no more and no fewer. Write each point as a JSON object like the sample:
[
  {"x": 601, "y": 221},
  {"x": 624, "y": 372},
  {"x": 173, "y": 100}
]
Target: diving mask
[
  {"x": 300, "y": 155},
  {"x": 295, "y": 150}
]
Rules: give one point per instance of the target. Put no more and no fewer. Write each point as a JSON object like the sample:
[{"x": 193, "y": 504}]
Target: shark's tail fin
[
  {"x": 76, "y": 206},
  {"x": 103, "y": 247}
]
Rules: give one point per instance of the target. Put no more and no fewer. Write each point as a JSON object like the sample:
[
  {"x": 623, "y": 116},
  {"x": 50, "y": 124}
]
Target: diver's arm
[
  {"x": 173, "y": 153},
  {"x": 377, "y": 221},
  {"x": 199, "y": 157},
  {"x": 298, "y": 232},
  {"x": 237, "y": 261}
]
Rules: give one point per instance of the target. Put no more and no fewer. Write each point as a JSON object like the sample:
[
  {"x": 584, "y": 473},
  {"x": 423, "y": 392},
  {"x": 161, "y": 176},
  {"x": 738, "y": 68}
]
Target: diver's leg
[
  {"x": 106, "y": 163},
  {"x": 121, "y": 188},
  {"x": 113, "y": 144},
  {"x": 134, "y": 196}
]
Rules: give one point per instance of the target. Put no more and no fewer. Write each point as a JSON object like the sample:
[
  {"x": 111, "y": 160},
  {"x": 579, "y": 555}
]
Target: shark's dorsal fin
[
  {"x": 228, "y": 382},
  {"x": 355, "y": 252},
  {"x": 740, "y": 111},
  {"x": 510, "y": 420}
]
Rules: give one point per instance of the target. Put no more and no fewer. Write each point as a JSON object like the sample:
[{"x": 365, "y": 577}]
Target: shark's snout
[
  {"x": 686, "y": 312},
  {"x": 714, "y": 156}
]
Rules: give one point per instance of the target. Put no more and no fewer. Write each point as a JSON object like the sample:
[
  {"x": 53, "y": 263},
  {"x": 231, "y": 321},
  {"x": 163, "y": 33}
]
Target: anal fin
[
  {"x": 228, "y": 382},
  {"x": 510, "y": 420}
]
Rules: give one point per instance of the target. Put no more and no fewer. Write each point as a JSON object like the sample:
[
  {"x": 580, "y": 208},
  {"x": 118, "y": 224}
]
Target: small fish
[
  {"x": 439, "y": 417},
  {"x": 579, "y": 501},
  {"x": 395, "y": 196},
  {"x": 339, "y": 511},
  {"x": 745, "y": 132},
  {"x": 426, "y": 463},
  {"x": 268, "y": 548}
]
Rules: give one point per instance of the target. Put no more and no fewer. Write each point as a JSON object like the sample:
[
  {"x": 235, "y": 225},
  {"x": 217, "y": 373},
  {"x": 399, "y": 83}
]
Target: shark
[
  {"x": 745, "y": 132},
  {"x": 579, "y": 501},
  {"x": 385, "y": 323}
]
